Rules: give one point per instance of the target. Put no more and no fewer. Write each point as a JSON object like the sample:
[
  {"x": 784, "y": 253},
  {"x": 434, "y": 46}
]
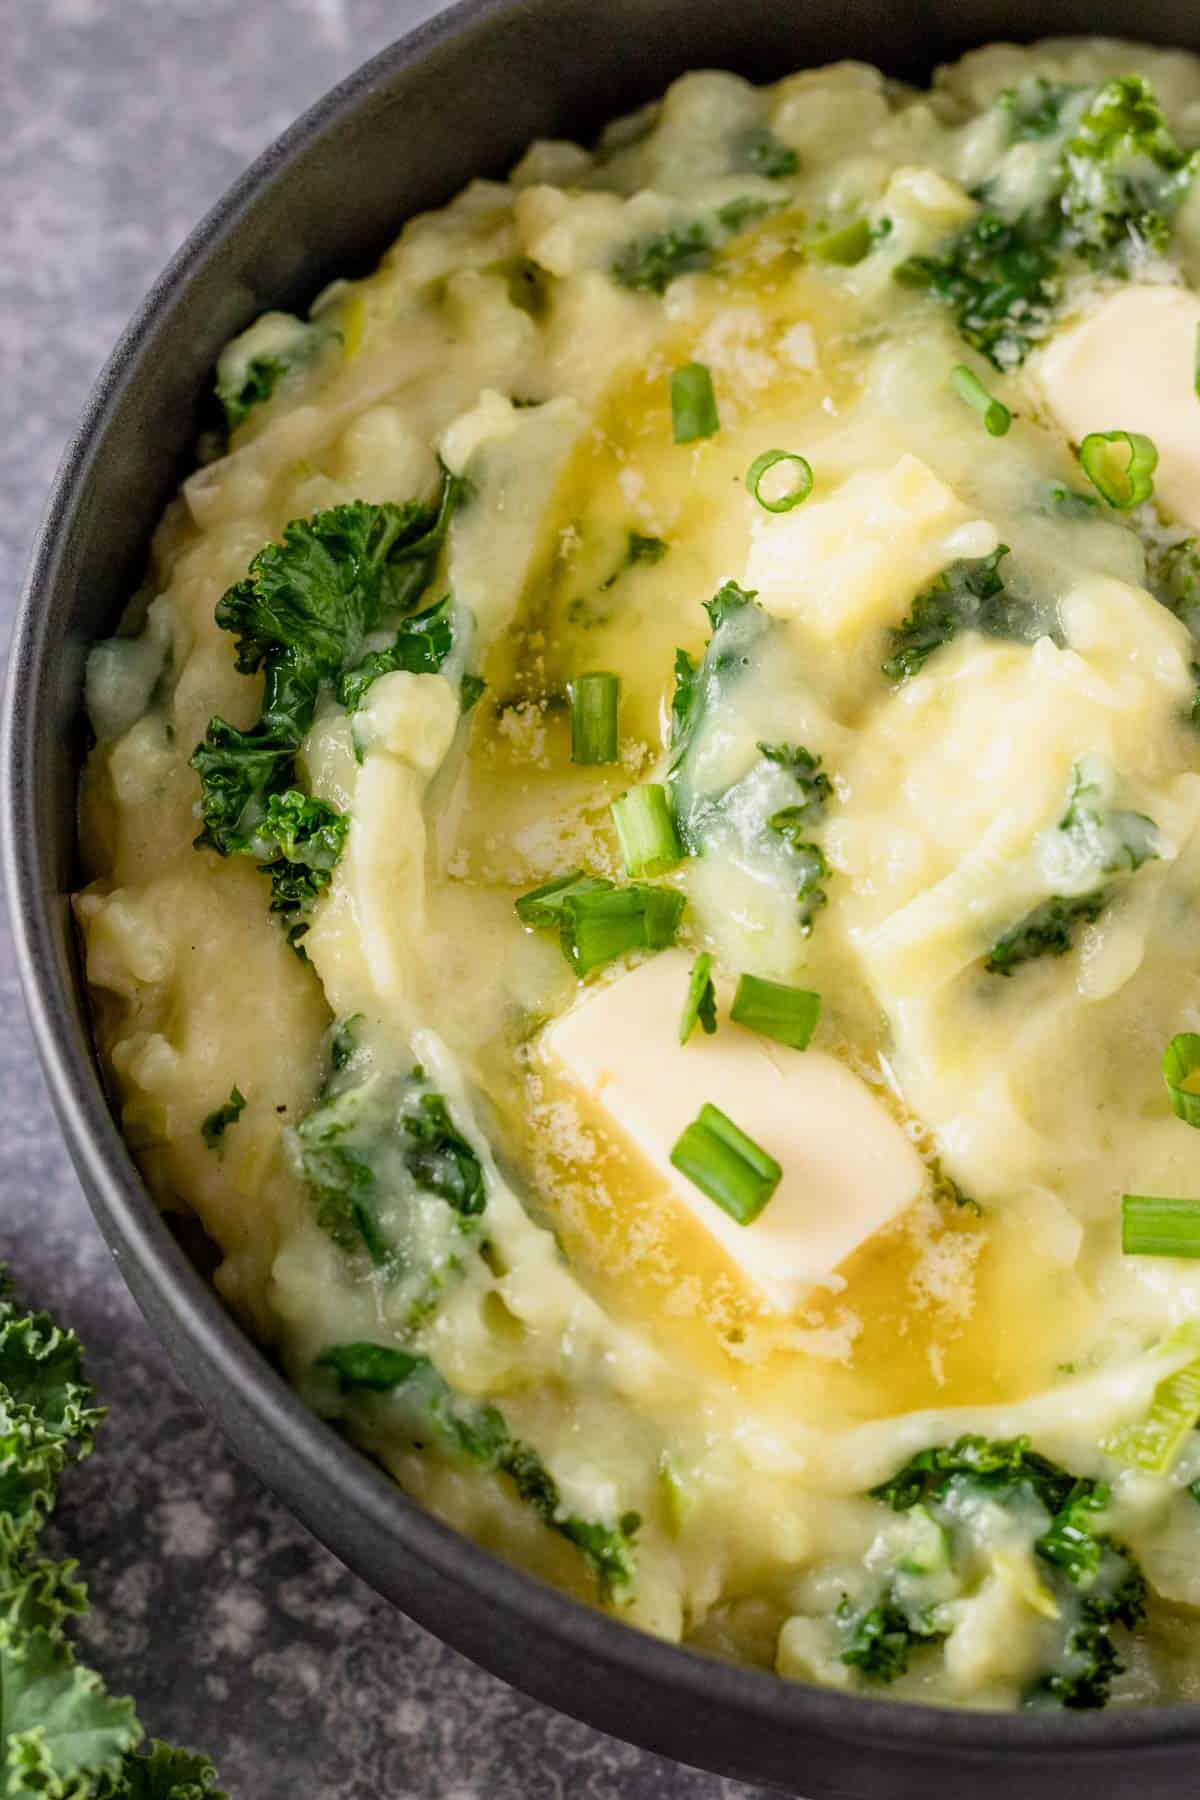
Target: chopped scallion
[
  {"x": 787, "y": 1014},
  {"x": 545, "y": 905},
  {"x": 1154, "y": 1442},
  {"x": 727, "y": 1165},
  {"x": 646, "y": 830},
  {"x": 597, "y": 921},
  {"x": 693, "y": 404},
  {"x": 845, "y": 246},
  {"x": 1181, "y": 1059},
  {"x": 801, "y": 480},
  {"x": 700, "y": 1001},
  {"x": 1155, "y": 1226},
  {"x": 594, "y": 701},
  {"x": 1120, "y": 465},
  {"x": 967, "y": 385}
]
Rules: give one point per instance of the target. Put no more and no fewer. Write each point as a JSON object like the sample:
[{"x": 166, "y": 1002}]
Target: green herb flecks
[{"x": 218, "y": 1122}]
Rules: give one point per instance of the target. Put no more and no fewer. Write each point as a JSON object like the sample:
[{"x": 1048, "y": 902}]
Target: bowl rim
[{"x": 151, "y": 1261}]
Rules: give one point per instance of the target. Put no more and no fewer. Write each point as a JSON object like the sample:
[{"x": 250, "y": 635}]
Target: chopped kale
[
  {"x": 652, "y": 264},
  {"x": 217, "y": 1123},
  {"x": 1098, "y": 835},
  {"x": 1117, "y": 185},
  {"x": 389, "y": 1172},
  {"x": 422, "y": 644},
  {"x": 1000, "y": 276},
  {"x": 301, "y": 616},
  {"x": 1125, "y": 177},
  {"x": 1049, "y": 930},
  {"x": 474, "y": 1431},
  {"x": 968, "y": 595},
  {"x": 302, "y": 840},
  {"x": 814, "y": 785},
  {"x": 252, "y": 366},
  {"x": 880, "y": 1639},
  {"x": 1095, "y": 1583}
]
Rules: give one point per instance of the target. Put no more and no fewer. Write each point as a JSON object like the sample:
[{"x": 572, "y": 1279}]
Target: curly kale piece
[
  {"x": 1000, "y": 276},
  {"x": 1116, "y": 187},
  {"x": 881, "y": 1638},
  {"x": 1049, "y": 930},
  {"x": 1095, "y": 1581},
  {"x": 301, "y": 617},
  {"x": 421, "y": 646},
  {"x": 1125, "y": 177},
  {"x": 61, "y": 1732},
  {"x": 1093, "y": 839},
  {"x": 373, "y": 1150},
  {"x": 968, "y": 595},
  {"x": 474, "y": 1431}
]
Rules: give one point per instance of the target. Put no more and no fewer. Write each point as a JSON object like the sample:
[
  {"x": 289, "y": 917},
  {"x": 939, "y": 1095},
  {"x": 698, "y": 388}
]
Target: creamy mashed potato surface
[{"x": 851, "y": 1378}]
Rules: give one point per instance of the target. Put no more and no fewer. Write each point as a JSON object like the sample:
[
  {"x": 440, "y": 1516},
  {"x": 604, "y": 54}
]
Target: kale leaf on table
[{"x": 61, "y": 1732}]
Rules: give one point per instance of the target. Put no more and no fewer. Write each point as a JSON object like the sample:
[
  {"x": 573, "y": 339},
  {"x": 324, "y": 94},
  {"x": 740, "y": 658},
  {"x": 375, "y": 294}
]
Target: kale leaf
[
  {"x": 881, "y": 1638},
  {"x": 1124, "y": 177},
  {"x": 421, "y": 646},
  {"x": 302, "y": 616},
  {"x": 1116, "y": 186},
  {"x": 1094, "y": 838},
  {"x": 1000, "y": 276},
  {"x": 474, "y": 1431},
  {"x": 61, "y": 1733},
  {"x": 251, "y": 367},
  {"x": 1049, "y": 930},
  {"x": 1096, "y": 1582},
  {"x": 390, "y": 1174},
  {"x": 968, "y": 595}
]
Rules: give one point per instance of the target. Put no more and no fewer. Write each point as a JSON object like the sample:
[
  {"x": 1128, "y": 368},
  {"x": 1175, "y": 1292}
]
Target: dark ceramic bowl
[{"x": 460, "y": 97}]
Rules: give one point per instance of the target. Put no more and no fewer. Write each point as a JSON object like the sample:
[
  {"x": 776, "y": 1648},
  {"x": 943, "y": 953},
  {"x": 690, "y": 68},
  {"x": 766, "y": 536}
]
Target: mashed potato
[{"x": 645, "y": 836}]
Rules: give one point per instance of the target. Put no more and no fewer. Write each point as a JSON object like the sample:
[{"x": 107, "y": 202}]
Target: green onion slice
[
  {"x": 1156, "y": 1226},
  {"x": 693, "y": 404},
  {"x": 801, "y": 482},
  {"x": 1120, "y": 465},
  {"x": 845, "y": 246},
  {"x": 700, "y": 1001},
  {"x": 646, "y": 830},
  {"x": 545, "y": 905},
  {"x": 775, "y": 1010},
  {"x": 1181, "y": 1058},
  {"x": 727, "y": 1165},
  {"x": 598, "y": 921},
  {"x": 968, "y": 387},
  {"x": 594, "y": 702},
  {"x": 1155, "y": 1441}
]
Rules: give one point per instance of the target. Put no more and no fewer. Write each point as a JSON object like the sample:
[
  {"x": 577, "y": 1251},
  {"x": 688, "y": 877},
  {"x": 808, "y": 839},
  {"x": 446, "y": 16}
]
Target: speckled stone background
[{"x": 123, "y": 120}]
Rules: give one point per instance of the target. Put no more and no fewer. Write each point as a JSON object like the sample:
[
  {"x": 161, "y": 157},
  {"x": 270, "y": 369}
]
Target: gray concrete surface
[{"x": 123, "y": 120}]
